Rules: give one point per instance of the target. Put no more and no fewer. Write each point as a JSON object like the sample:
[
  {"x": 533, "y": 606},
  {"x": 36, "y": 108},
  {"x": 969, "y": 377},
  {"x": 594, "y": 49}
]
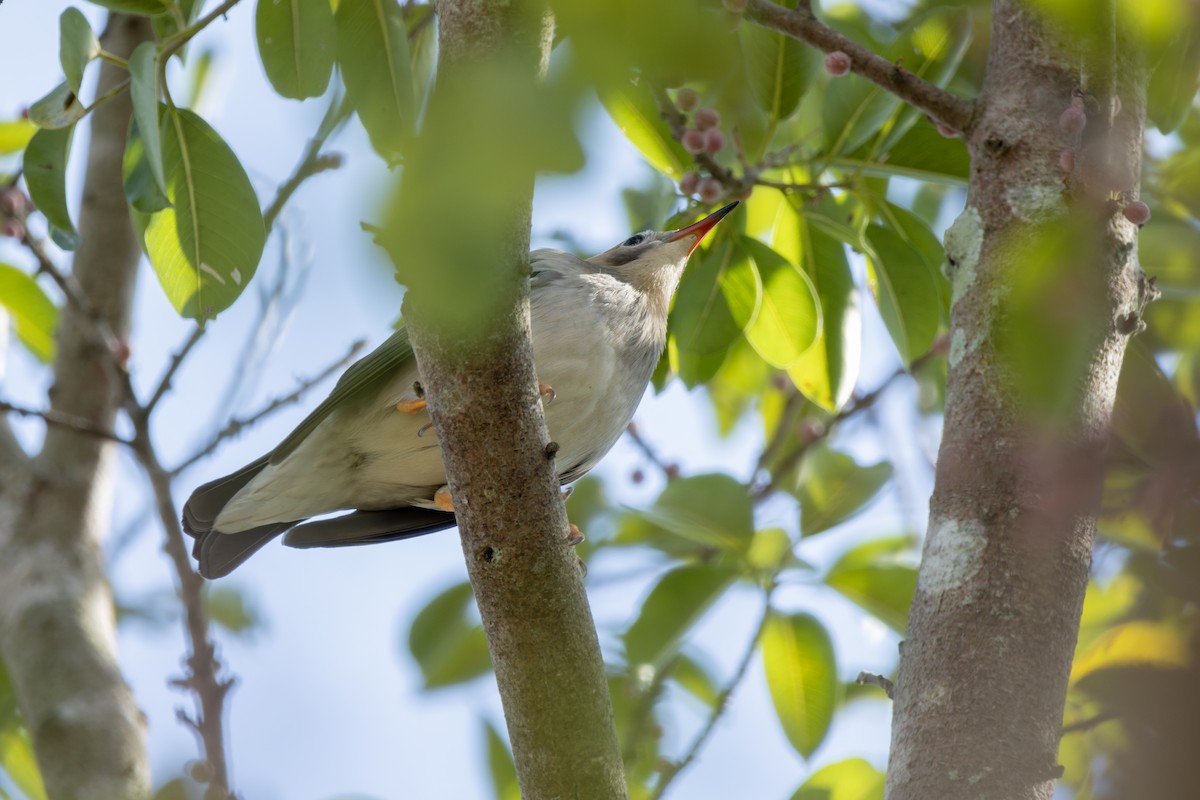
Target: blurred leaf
[
  {"x": 228, "y": 608},
  {"x": 76, "y": 47},
  {"x": 695, "y": 678},
  {"x": 59, "y": 109},
  {"x": 143, "y": 90},
  {"x": 717, "y": 299},
  {"x": 778, "y": 67},
  {"x": 447, "y": 645},
  {"x": 1174, "y": 82},
  {"x": 589, "y": 505},
  {"x": 1104, "y": 605},
  {"x": 46, "y": 175},
  {"x": 832, "y": 487},
  {"x": 1180, "y": 179},
  {"x": 905, "y": 291},
  {"x": 296, "y": 44},
  {"x": 372, "y": 51},
  {"x": 144, "y": 7},
  {"x": 922, "y": 154},
  {"x": 917, "y": 234},
  {"x": 1150, "y": 417},
  {"x": 737, "y": 385},
  {"x": 713, "y": 510},
  {"x": 1170, "y": 251},
  {"x": 1136, "y": 643},
  {"x": 500, "y": 765},
  {"x": 206, "y": 247},
  {"x": 19, "y": 764},
  {"x": 874, "y": 576},
  {"x": 852, "y": 779},
  {"x": 802, "y": 676},
  {"x": 673, "y": 606},
  {"x": 33, "y": 314},
  {"x": 771, "y": 550},
  {"x": 141, "y": 190},
  {"x": 788, "y": 318},
  {"x": 15, "y": 134},
  {"x": 635, "y": 113}
]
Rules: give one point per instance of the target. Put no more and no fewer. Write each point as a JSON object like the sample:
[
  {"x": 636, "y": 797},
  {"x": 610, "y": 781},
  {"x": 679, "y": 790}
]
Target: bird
[{"x": 598, "y": 328}]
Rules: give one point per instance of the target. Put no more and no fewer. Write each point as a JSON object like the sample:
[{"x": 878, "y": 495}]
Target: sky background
[{"x": 328, "y": 702}]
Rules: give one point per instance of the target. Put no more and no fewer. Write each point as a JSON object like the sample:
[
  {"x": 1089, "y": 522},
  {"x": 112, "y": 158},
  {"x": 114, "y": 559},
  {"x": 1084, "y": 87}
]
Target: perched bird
[{"x": 598, "y": 327}]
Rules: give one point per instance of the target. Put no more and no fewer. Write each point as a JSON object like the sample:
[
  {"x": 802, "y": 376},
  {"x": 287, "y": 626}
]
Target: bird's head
[{"x": 653, "y": 261}]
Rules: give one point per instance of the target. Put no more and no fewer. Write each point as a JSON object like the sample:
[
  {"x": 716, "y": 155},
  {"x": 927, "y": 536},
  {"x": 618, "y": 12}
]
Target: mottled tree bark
[{"x": 57, "y": 632}]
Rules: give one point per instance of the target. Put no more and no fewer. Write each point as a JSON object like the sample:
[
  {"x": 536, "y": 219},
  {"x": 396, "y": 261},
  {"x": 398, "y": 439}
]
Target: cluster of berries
[
  {"x": 13, "y": 208},
  {"x": 1072, "y": 122},
  {"x": 704, "y": 137}
]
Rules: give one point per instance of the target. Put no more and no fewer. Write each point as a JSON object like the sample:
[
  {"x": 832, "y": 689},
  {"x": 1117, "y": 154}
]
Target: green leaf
[
  {"x": 372, "y": 51},
  {"x": 713, "y": 510},
  {"x": 778, "y": 68},
  {"x": 635, "y": 113},
  {"x": 141, "y": 190},
  {"x": 877, "y": 578},
  {"x": 59, "y": 109},
  {"x": 674, "y": 605},
  {"x": 46, "y": 175},
  {"x": 77, "y": 46},
  {"x": 15, "y": 134},
  {"x": 905, "y": 291},
  {"x": 922, "y": 154},
  {"x": 917, "y": 234},
  {"x": 206, "y": 247},
  {"x": 788, "y": 320},
  {"x": 832, "y": 487},
  {"x": 500, "y": 765},
  {"x": 717, "y": 299},
  {"x": 33, "y": 314},
  {"x": 448, "y": 646},
  {"x": 1167, "y": 250},
  {"x": 696, "y": 679},
  {"x": 145, "y": 7},
  {"x": 228, "y": 608},
  {"x": 296, "y": 45},
  {"x": 802, "y": 677},
  {"x": 143, "y": 91},
  {"x": 19, "y": 763},
  {"x": 1174, "y": 82},
  {"x": 852, "y": 779}
]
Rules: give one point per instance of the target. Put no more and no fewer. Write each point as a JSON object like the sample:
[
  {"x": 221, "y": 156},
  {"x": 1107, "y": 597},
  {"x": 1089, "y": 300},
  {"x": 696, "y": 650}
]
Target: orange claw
[
  {"x": 547, "y": 391},
  {"x": 411, "y": 406},
  {"x": 441, "y": 499},
  {"x": 574, "y": 535}
]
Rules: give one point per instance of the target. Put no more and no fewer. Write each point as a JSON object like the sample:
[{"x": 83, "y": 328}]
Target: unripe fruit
[
  {"x": 714, "y": 140},
  {"x": 693, "y": 141},
  {"x": 689, "y": 183},
  {"x": 1137, "y": 212},
  {"x": 1066, "y": 161},
  {"x": 14, "y": 228},
  {"x": 707, "y": 118},
  {"x": 1073, "y": 119},
  {"x": 711, "y": 190},
  {"x": 837, "y": 63},
  {"x": 687, "y": 100}
]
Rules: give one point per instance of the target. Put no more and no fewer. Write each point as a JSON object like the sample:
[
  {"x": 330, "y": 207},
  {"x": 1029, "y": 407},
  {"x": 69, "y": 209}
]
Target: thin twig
[
  {"x": 67, "y": 421},
  {"x": 888, "y": 686},
  {"x": 1088, "y": 723},
  {"x": 164, "y": 383},
  {"x": 671, "y": 471},
  {"x": 236, "y": 426},
  {"x": 72, "y": 291}
]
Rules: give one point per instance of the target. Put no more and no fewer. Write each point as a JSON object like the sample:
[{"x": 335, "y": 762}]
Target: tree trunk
[
  {"x": 57, "y": 632},
  {"x": 1047, "y": 290}
]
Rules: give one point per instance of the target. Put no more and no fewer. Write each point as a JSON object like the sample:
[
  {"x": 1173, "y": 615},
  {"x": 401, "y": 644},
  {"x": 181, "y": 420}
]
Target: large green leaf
[
  {"x": 33, "y": 314},
  {"x": 713, "y": 510},
  {"x": 852, "y": 779},
  {"x": 1174, "y": 82},
  {"x": 77, "y": 46},
  {"x": 143, "y": 90},
  {"x": 447, "y": 644},
  {"x": 905, "y": 290},
  {"x": 46, "y": 175},
  {"x": 675, "y": 603},
  {"x": 832, "y": 487},
  {"x": 58, "y": 109},
  {"x": 372, "y": 51},
  {"x": 878, "y": 577},
  {"x": 788, "y": 319},
  {"x": 922, "y": 154},
  {"x": 145, "y": 7},
  {"x": 802, "y": 677},
  {"x": 206, "y": 247},
  {"x": 296, "y": 45},
  {"x": 778, "y": 67},
  {"x": 634, "y": 111},
  {"x": 141, "y": 189}
]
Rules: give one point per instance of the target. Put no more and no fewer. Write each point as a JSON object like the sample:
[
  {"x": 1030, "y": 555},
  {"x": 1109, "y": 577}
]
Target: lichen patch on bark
[
  {"x": 953, "y": 554},
  {"x": 964, "y": 241}
]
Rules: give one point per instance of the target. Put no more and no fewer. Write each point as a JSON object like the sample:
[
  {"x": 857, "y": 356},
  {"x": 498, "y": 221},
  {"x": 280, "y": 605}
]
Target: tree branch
[
  {"x": 803, "y": 24},
  {"x": 65, "y": 421}
]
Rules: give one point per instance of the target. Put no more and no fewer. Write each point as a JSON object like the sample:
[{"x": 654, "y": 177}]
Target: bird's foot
[
  {"x": 441, "y": 499},
  {"x": 547, "y": 391},
  {"x": 567, "y": 492},
  {"x": 411, "y": 406},
  {"x": 574, "y": 535}
]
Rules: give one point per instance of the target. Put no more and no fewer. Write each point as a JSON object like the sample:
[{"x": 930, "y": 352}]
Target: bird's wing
[
  {"x": 547, "y": 266},
  {"x": 369, "y": 372}
]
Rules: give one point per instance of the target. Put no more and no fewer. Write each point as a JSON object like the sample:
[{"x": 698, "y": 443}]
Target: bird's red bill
[{"x": 701, "y": 228}]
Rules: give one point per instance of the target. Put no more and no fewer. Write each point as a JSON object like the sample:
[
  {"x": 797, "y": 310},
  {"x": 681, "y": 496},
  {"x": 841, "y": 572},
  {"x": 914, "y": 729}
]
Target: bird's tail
[{"x": 369, "y": 527}]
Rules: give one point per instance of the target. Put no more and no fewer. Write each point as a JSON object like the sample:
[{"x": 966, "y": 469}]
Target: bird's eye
[{"x": 636, "y": 239}]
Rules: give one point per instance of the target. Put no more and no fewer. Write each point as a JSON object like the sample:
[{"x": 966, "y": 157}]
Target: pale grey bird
[{"x": 598, "y": 327}]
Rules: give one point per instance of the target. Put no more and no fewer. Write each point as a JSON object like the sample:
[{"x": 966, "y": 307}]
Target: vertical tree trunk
[
  {"x": 57, "y": 633},
  {"x": 1047, "y": 289}
]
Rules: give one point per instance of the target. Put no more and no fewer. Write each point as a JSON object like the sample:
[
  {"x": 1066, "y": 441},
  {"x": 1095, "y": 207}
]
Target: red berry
[
  {"x": 14, "y": 228},
  {"x": 1073, "y": 120},
  {"x": 672, "y": 471},
  {"x": 687, "y": 100},
  {"x": 1137, "y": 212},
  {"x": 121, "y": 352},
  {"x": 714, "y": 140},
  {"x": 693, "y": 140},
  {"x": 637, "y": 476},
  {"x": 707, "y": 118},
  {"x": 689, "y": 183},
  {"x": 13, "y": 202},
  {"x": 711, "y": 190},
  {"x": 837, "y": 63},
  {"x": 1066, "y": 161},
  {"x": 947, "y": 131}
]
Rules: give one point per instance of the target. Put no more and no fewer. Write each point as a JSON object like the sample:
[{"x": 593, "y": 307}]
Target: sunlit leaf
[
  {"x": 77, "y": 46},
  {"x": 788, "y": 319},
  {"x": 832, "y": 487},
  {"x": 448, "y": 645},
  {"x": 15, "y": 134},
  {"x": 143, "y": 91},
  {"x": 696, "y": 678},
  {"x": 1141, "y": 643},
  {"x": 33, "y": 314},
  {"x": 878, "y": 577},
  {"x": 779, "y": 68},
  {"x": 802, "y": 677},
  {"x": 905, "y": 290},
  {"x": 674, "y": 605},
  {"x": 229, "y": 608},
  {"x": 1174, "y": 82},
  {"x": 372, "y": 51},
  {"x": 713, "y": 510},
  {"x": 206, "y": 247},
  {"x": 59, "y": 109},
  {"x": 46, "y": 175},
  {"x": 852, "y": 779},
  {"x": 635, "y": 113},
  {"x": 500, "y": 765},
  {"x": 296, "y": 45},
  {"x": 19, "y": 764}
]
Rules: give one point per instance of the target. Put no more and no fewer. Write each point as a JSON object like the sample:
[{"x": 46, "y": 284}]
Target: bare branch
[
  {"x": 164, "y": 383},
  {"x": 802, "y": 24},
  {"x": 865, "y": 678},
  {"x": 65, "y": 421},
  {"x": 671, "y": 471}
]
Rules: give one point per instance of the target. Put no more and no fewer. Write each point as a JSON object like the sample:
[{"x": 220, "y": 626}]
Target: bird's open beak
[{"x": 699, "y": 229}]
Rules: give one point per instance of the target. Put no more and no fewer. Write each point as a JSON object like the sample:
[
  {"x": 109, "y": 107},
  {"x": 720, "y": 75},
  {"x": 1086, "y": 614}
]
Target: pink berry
[
  {"x": 711, "y": 190},
  {"x": 837, "y": 63},
  {"x": 693, "y": 140},
  {"x": 707, "y": 118},
  {"x": 122, "y": 352},
  {"x": 638, "y": 476},
  {"x": 946, "y": 131},
  {"x": 1076, "y": 101},
  {"x": 1066, "y": 161},
  {"x": 1137, "y": 212},
  {"x": 1073, "y": 120},
  {"x": 736, "y": 6},
  {"x": 689, "y": 183},
  {"x": 12, "y": 202},
  {"x": 714, "y": 140},
  {"x": 672, "y": 471},
  {"x": 687, "y": 100},
  {"x": 14, "y": 228}
]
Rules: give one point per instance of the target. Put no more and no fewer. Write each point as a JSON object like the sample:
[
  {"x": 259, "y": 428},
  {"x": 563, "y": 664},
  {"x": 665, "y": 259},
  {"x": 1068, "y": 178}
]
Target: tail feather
[{"x": 369, "y": 527}]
